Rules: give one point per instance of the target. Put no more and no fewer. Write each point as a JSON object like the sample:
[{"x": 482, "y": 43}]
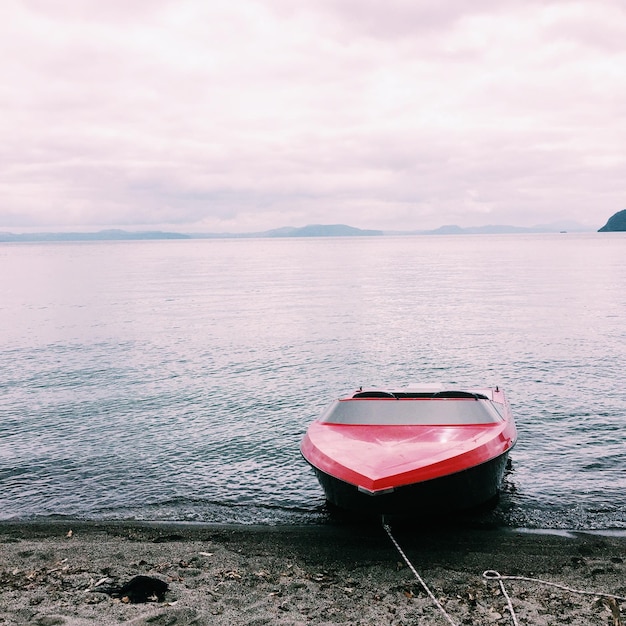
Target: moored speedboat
[{"x": 419, "y": 451}]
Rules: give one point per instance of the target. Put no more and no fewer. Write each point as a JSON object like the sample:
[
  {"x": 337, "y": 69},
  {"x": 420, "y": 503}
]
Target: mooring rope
[
  {"x": 493, "y": 575},
  {"x": 416, "y": 574}
]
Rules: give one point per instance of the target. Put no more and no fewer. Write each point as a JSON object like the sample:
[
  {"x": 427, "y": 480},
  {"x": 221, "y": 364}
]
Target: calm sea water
[{"x": 173, "y": 380}]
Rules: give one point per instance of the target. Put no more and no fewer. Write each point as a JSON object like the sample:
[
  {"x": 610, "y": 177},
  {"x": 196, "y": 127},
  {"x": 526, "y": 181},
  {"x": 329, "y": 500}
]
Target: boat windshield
[{"x": 431, "y": 411}]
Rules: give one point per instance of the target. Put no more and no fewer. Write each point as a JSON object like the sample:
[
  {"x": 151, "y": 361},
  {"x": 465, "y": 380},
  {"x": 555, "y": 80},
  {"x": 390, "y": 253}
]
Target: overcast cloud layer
[{"x": 214, "y": 115}]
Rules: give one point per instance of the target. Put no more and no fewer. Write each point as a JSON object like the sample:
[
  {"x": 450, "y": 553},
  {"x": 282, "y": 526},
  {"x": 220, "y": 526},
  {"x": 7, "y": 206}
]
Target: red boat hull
[
  {"x": 460, "y": 491},
  {"x": 415, "y": 454}
]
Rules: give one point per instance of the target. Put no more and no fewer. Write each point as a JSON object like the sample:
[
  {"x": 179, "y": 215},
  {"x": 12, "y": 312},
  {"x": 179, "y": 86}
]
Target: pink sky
[{"x": 211, "y": 115}]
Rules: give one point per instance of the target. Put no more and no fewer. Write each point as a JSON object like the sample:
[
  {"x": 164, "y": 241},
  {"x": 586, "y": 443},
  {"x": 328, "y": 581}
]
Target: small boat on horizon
[{"x": 421, "y": 451}]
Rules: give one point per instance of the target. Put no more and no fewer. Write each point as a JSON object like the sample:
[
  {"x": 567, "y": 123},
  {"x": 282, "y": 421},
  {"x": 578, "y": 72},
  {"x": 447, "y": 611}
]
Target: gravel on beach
[{"x": 73, "y": 573}]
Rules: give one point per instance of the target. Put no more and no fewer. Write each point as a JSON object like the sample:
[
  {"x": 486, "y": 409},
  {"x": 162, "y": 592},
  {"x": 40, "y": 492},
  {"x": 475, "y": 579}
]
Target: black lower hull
[{"x": 455, "y": 492}]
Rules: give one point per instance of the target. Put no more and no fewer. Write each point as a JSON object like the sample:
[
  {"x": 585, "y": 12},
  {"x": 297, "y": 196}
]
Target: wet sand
[{"x": 56, "y": 573}]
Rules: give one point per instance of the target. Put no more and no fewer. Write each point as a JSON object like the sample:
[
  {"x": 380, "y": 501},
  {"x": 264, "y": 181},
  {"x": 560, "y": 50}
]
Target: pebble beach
[{"x": 62, "y": 573}]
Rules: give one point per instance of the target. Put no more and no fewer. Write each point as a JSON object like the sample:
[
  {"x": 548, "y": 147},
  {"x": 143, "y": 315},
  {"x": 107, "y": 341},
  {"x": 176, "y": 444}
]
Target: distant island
[
  {"x": 616, "y": 223},
  {"x": 312, "y": 230},
  {"x": 101, "y": 235}
]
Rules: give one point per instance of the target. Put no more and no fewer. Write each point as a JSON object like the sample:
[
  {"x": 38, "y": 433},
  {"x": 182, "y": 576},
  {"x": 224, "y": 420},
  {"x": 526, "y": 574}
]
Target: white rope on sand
[
  {"x": 493, "y": 575},
  {"x": 415, "y": 573}
]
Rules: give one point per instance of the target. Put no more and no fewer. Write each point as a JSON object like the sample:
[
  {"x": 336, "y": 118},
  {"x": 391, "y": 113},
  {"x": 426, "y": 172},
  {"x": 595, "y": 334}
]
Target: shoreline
[
  {"x": 47, "y": 526},
  {"x": 322, "y": 575}
]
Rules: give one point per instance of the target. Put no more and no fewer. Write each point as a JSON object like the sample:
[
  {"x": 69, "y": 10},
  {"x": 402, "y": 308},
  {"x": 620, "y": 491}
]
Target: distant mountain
[
  {"x": 312, "y": 230},
  {"x": 616, "y": 223},
  {"x": 570, "y": 226},
  {"x": 102, "y": 235},
  {"x": 322, "y": 230},
  {"x": 500, "y": 229},
  {"x": 448, "y": 229},
  {"x": 494, "y": 229},
  {"x": 341, "y": 230}
]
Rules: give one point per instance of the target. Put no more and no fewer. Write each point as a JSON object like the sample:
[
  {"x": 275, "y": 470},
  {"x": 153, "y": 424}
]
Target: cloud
[{"x": 252, "y": 115}]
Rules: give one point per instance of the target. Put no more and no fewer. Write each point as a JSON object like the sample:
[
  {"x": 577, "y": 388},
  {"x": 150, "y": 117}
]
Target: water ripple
[{"x": 173, "y": 381}]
